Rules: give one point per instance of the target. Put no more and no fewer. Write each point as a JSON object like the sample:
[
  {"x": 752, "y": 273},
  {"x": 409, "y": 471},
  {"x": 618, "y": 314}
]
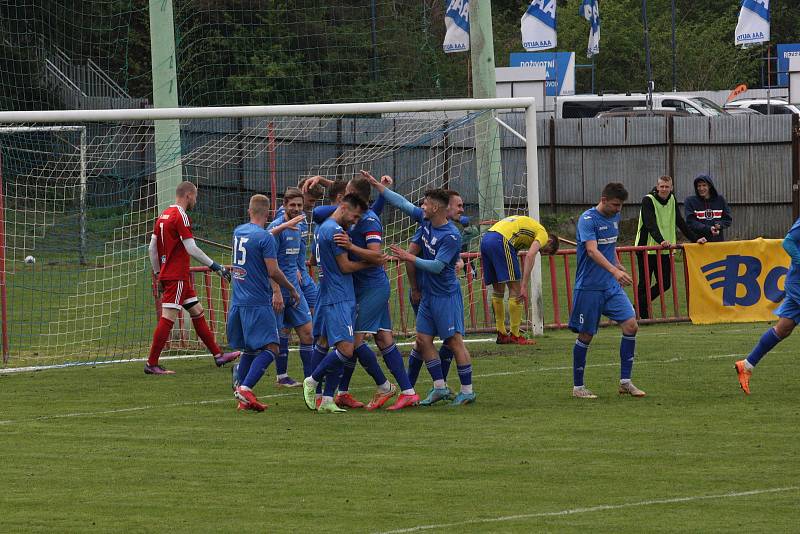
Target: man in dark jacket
[
  {"x": 707, "y": 213},
  {"x": 658, "y": 220}
]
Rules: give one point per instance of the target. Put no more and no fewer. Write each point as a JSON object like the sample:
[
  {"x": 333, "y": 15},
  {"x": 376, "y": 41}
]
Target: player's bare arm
[
  {"x": 346, "y": 265},
  {"x": 277, "y": 276},
  {"x": 372, "y": 254},
  {"x": 616, "y": 271},
  {"x": 288, "y": 225},
  {"x": 411, "y": 273}
]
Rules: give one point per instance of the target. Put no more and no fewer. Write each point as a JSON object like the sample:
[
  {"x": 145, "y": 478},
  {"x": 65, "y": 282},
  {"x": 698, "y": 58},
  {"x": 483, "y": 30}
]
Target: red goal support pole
[{"x": 3, "y": 303}]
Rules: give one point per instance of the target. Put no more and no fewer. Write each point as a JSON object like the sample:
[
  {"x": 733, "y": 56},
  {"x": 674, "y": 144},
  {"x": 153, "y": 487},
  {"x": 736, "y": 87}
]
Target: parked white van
[{"x": 586, "y": 106}]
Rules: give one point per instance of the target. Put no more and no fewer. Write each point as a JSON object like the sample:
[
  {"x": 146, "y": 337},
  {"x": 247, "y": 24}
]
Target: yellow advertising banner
[{"x": 735, "y": 281}]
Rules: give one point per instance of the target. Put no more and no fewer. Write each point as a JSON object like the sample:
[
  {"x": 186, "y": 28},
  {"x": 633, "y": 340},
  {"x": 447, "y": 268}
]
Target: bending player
[
  {"x": 333, "y": 322},
  {"x": 288, "y": 239},
  {"x": 441, "y": 309},
  {"x": 599, "y": 280},
  {"x": 372, "y": 310},
  {"x": 252, "y": 325},
  {"x": 170, "y": 247},
  {"x": 500, "y": 248},
  {"x": 788, "y": 312}
]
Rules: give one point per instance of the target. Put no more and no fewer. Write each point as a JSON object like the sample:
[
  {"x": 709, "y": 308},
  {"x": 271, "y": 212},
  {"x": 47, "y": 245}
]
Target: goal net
[{"x": 78, "y": 204}]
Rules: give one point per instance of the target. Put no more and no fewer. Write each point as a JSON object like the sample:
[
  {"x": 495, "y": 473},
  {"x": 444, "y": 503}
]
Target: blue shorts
[
  {"x": 335, "y": 322},
  {"x": 441, "y": 316},
  {"x": 310, "y": 290},
  {"x": 251, "y": 327},
  {"x": 789, "y": 309},
  {"x": 500, "y": 260},
  {"x": 293, "y": 316},
  {"x": 589, "y": 304},
  {"x": 372, "y": 308}
]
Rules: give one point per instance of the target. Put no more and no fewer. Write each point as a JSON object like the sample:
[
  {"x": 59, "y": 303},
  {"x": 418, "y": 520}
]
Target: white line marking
[
  {"x": 592, "y": 509},
  {"x": 275, "y": 395}
]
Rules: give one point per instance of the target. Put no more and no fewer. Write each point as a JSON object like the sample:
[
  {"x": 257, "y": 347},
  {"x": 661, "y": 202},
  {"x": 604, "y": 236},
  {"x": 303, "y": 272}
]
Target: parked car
[
  {"x": 773, "y": 106},
  {"x": 644, "y": 112},
  {"x": 740, "y": 111},
  {"x": 585, "y": 106}
]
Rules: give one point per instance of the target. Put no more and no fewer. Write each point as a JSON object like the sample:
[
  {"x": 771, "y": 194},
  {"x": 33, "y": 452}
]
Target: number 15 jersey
[{"x": 251, "y": 283}]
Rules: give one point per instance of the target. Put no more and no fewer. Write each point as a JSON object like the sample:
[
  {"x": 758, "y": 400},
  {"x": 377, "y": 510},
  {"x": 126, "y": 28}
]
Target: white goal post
[{"x": 127, "y": 138}]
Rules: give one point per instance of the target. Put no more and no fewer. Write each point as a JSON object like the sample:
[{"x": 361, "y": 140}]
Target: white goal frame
[{"x": 155, "y": 114}]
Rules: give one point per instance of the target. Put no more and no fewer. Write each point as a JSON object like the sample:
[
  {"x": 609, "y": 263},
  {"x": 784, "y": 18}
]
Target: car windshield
[{"x": 708, "y": 105}]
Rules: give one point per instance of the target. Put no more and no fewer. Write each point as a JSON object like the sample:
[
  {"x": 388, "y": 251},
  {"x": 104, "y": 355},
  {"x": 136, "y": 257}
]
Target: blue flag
[
  {"x": 456, "y": 21},
  {"x": 753, "y": 25},
  {"x": 591, "y": 12},
  {"x": 539, "y": 26}
]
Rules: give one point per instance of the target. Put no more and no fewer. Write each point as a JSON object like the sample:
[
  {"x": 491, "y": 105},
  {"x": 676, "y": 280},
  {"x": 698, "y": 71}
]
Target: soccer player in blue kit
[
  {"x": 788, "y": 312},
  {"x": 289, "y": 241},
  {"x": 372, "y": 310},
  {"x": 252, "y": 326},
  {"x": 598, "y": 290},
  {"x": 441, "y": 309},
  {"x": 335, "y": 314}
]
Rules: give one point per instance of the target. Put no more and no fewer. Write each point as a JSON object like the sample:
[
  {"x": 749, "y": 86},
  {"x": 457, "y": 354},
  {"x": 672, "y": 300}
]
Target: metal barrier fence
[{"x": 672, "y": 293}]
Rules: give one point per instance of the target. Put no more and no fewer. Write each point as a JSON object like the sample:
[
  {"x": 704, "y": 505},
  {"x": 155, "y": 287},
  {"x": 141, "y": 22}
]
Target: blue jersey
[
  {"x": 593, "y": 226},
  {"x": 289, "y": 245},
  {"x": 334, "y": 286},
  {"x": 792, "y": 282},
  {"x": 251, "y": 283},
  {"x": 303, "y": 227},
  {"x": 443, "y": 244},
  {"x": 368, "y": 230}
]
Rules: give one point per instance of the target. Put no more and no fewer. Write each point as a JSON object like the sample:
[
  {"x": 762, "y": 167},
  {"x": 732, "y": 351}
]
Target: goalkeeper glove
[{"x": 222, "y": 271}]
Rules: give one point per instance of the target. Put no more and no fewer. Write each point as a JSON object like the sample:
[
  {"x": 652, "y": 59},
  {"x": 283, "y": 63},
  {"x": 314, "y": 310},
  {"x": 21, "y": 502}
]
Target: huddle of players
[{"x": 268, "y": 274}]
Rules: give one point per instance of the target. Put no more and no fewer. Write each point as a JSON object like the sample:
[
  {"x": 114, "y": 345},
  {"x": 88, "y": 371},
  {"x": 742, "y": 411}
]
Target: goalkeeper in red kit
[{"x": 170, "y": 247}]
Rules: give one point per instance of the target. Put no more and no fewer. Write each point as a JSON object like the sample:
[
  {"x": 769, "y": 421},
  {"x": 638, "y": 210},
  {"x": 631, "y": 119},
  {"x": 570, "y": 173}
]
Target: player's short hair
[
  {"x": 439, "y": 195},
  {"x": 355, "y": 201},
  {"x": 336, "y": 188},
  {"x": 452, "y": 193},
  {"x": 290, "y": 193},
  {"x": 361, "y": 187},
  {"x": 317, "y": 191},
  {"x": 259, "y": 205},
  {"x": 615, "y": 191},
  {"x": 665, "y": 179},
  {"x": 184, "y": 188},
  {"x": 551, "y": 247}
]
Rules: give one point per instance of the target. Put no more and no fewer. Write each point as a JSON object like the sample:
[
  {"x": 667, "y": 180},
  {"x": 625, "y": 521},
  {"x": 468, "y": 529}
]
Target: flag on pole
[
  {"x": 539, "y": 26},
  {"x": 456, "y": 20},
  {"x": 591, "y": 12},
  {"x": 753, "y": 26}
]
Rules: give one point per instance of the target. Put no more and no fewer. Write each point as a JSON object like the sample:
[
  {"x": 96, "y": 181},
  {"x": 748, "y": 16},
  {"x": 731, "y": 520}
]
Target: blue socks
[
  {"x": 245, "y": 361},
  {"x": 578, "y": 362},
  {"x": 257, "y": 367},
  {"x": 465, "y": 374},
  {"x": 767, "y": 342},
  {"x": 394, "y": 361},
  {"x": 627, "y": 345},
  {"x": 307, "y": 357},
  {"x": 368, "y": 359},
  {"x": 334, "y": 372},
  {"x": 347, "y": 374},
  {"x": 414, "y": 366},
  {"x": 435, "y": 369},
  {"x": 446, "y": 356},
  {"x": 282, "y": 360}
]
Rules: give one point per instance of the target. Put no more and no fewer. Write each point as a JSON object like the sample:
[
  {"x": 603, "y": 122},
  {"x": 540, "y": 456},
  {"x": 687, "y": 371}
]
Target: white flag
[
  {"x": 456, "y": 20},
  {"x": 753, "y": 26},
  {"x": 591, "y": 12},
  {"x": 539, "y": 26}
]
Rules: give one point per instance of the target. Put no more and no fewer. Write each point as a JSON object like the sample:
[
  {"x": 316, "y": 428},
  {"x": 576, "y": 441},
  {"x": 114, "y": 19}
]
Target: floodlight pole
[
  {"x": 648, "y": 66},
  {"x": 674, "y": 54}
]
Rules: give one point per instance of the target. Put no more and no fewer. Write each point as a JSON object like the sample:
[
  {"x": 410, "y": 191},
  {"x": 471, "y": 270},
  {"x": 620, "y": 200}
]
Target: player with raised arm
[
  {"x": 500, "y": 247},
  {"x": 441, "y": 309},
  {"x": 335, "y": 314},
  {"x": 599, "y": 280},
  {"x": 252, "y": 325},
  {"x": 788, "y": 312},
  {"x": 372, "y": 310},
  {"x": 171, "y": 245},
  {"x": 288, "y": 239}
]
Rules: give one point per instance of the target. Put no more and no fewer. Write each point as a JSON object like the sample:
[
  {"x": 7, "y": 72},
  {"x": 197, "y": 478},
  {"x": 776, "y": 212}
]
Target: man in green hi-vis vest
[{"x": 658, "y": 220}]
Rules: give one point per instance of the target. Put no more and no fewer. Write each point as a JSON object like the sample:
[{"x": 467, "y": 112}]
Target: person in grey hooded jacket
[{"x": 707, "y": 213}]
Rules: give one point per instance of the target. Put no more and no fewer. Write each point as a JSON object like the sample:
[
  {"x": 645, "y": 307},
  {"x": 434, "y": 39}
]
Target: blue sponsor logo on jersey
[{"x": 725, "y": 274}]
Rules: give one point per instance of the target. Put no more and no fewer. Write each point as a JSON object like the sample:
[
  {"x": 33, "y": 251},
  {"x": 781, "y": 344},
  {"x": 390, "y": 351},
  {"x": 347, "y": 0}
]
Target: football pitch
[{"x": 108, "y": 448}]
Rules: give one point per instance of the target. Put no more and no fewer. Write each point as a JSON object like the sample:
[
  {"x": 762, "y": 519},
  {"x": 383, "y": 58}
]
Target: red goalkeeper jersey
[{"x": 171, "y": 227}]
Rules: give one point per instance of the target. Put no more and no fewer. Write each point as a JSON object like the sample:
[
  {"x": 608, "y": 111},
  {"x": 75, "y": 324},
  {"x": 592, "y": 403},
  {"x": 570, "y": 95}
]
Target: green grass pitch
[{"x": 109, "y": 449}]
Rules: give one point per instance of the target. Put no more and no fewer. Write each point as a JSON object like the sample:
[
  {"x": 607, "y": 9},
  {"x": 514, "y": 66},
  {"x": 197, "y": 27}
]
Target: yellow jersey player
[{"x": 500, "y": 248}]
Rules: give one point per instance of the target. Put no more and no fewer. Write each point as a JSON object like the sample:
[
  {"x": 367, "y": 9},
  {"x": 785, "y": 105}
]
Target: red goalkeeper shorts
[{"x": 177, "y": 294}]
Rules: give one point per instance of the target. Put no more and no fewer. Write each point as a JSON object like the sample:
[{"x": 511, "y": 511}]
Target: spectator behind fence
[
  {"x": 658, "y": 219},
  {"x": 707, "y": 213}
]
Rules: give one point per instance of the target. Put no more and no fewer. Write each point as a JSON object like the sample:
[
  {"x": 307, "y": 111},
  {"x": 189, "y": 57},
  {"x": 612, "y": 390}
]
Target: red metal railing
[{"x": 556, "y": 292}]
